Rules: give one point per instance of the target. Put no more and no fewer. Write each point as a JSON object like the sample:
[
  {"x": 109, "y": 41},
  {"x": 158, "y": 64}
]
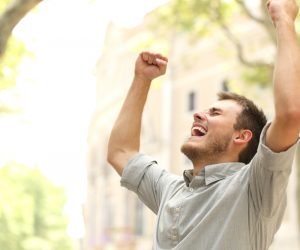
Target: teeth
[{"x": 202, "y": 130}]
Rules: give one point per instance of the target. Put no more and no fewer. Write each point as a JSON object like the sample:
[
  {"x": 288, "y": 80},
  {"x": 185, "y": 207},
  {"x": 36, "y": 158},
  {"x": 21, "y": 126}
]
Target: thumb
[
  {"x": 160, "y": 61},
  {"x": 162, "y": 64}
]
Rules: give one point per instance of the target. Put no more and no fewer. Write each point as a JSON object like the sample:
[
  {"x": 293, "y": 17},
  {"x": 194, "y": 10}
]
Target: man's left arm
[{"x": 285, "y": 127}]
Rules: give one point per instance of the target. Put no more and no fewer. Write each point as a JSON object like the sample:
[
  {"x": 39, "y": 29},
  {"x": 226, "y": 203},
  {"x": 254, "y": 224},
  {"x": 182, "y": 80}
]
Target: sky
[{"x": 56, "y": 89}]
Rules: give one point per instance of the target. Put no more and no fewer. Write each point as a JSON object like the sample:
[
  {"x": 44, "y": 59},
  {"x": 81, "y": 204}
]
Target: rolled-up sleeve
[
  {"x": 143, "y": 176},
  {"x": 269, "y": 173}
]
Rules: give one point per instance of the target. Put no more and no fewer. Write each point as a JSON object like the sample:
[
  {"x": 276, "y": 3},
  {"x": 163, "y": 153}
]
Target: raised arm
[
  {"x": 124, "y": 140},
  {"x": 285, "y": 127}
]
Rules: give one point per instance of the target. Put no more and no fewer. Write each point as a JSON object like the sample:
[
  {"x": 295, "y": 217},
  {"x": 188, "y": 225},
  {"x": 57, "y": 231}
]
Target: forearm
[
  {"x": 287, "y": 72},
  {"x": 285, "y": 127},
  {"x": 124, "y": 140}
]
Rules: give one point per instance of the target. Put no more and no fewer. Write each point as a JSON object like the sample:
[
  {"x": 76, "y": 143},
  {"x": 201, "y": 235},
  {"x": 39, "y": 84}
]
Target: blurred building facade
[{"x": 197, "y": 70}]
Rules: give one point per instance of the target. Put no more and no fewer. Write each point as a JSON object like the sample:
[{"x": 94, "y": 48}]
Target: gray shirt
[{"x": 228, "y": 206}]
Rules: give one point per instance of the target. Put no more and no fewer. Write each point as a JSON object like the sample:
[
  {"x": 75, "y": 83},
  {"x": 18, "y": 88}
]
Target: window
[
  {"x": 191, "y": 101},
  {"x": 225, "y": 87}
]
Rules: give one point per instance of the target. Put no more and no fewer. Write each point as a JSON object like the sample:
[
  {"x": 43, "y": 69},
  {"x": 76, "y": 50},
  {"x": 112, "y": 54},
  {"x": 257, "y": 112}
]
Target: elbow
[
  {"x": 112, "y": 151},
  {"x": 110, "y": 158},
  {"x": 111, "y": 155},
  {"x": 290, "y": 117},
  {"x": 293, "y": 115},
  {"x": 118, "y": 158},
  {"x": 113, "y": 158}
]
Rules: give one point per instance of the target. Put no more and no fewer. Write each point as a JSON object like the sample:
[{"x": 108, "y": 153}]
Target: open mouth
[{"x": 198, "y": 131}]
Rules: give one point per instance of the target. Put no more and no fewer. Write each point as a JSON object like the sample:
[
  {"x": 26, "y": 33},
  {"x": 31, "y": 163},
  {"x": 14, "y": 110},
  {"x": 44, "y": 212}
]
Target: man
[{"x": 235, "y": 196}]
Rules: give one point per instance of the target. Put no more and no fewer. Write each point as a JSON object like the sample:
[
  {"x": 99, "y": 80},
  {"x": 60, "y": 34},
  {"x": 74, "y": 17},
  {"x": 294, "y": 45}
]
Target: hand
[
  {"x": 282, "y": 11},
  {"x": 150, "y": 65}
]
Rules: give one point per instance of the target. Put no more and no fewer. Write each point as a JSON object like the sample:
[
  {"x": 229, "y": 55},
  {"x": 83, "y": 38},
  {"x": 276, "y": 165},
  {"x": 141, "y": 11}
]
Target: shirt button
[{"x": 191, "y": 189}]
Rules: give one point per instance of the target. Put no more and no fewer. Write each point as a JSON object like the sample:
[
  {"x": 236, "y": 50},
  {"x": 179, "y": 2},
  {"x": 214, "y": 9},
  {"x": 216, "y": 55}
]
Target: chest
[{"x": 220, "y": 209}]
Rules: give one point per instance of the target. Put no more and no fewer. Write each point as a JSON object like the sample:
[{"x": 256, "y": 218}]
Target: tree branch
[
  {"x": 238, "y": 44},
  {"x": 240, "y": 50},
  {"x": 268, "y": 25},
  {"x": 264, "y": 20},
  {"x": 249, "y": 13},
  {"x": 11, "y": 17}
]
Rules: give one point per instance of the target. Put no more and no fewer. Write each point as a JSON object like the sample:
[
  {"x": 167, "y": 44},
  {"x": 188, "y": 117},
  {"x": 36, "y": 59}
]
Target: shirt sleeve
[
  {"x": 269, "y": 173},
  {"x": 143, "y": 176}
]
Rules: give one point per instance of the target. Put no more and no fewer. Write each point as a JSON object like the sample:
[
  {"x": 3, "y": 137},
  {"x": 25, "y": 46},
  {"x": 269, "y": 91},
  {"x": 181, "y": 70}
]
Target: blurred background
[{"x": 65, "y": 68}]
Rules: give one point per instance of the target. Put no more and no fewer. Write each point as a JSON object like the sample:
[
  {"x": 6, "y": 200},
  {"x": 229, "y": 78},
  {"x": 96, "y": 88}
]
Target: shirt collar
[{"x": 212, "y": 173}]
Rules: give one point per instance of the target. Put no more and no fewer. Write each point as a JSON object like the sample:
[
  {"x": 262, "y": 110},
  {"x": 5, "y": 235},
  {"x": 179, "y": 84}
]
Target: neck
[{"x": 201, "y": 163}]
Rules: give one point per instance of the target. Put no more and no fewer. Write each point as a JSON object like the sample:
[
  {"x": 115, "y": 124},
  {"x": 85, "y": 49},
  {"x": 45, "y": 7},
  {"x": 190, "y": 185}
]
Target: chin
[
  {"x": 186, "y": 146},
  {"x": 189, "y": 150},
  {"x": 192, "y": 143}
]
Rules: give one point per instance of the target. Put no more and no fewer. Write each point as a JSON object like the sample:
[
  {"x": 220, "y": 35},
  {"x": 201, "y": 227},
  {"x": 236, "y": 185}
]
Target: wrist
[
  {"x": 285, "y": 27},
  {"x": 142, "y": 80},
  {"x": 286, "y": 22}
]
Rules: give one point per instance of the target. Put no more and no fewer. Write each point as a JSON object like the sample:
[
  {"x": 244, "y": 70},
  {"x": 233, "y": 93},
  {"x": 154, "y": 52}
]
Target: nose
[{"x": 201, "y": 116}]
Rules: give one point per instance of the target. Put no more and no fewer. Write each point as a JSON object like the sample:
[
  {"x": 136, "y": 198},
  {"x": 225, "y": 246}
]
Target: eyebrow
[{"x": 214, "y": 109}]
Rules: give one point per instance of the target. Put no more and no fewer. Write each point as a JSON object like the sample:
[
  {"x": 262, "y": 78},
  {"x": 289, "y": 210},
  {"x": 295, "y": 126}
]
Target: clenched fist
[
  {"x": 282, "y": 11},
  {"x": 150, "y": 65}
]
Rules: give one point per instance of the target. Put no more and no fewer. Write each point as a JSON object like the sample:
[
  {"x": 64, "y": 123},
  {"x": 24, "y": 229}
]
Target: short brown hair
[{"x": 251, "y": 118}]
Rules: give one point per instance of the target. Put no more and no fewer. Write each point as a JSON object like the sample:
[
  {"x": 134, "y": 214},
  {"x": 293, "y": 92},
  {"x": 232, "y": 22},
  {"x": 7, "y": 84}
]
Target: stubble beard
[{"x": 208, "y": 154}]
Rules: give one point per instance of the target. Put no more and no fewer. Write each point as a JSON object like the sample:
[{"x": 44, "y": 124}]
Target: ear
[{"x": 243, "y": 136}]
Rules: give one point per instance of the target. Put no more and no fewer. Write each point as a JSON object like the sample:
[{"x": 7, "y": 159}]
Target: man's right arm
[{"x": 124, "y": 141}]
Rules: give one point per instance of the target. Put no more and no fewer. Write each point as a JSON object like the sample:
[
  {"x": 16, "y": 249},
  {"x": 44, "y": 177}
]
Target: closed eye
[{"x": 215, "y": 111}]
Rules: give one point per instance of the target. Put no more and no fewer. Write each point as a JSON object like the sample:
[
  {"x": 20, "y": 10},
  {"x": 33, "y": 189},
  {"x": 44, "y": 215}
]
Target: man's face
[{"x": 212, "y": 132}]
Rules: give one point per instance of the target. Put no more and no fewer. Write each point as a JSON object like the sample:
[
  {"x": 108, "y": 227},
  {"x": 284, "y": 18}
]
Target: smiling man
[
  {"x": 235, "y": 196},
  {"x": 229, "y": 131}
]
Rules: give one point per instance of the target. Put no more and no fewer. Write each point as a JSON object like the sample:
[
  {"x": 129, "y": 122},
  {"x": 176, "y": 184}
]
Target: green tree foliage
[
  {"x": 4, "y": 4},
  {"x": 31, "y": 211},
  {"x": 10, "y": 62},
  {"x": 200, "y": 18},
  {"x": 196, "y": 17},
  {"x": 12, "y": 50}
]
